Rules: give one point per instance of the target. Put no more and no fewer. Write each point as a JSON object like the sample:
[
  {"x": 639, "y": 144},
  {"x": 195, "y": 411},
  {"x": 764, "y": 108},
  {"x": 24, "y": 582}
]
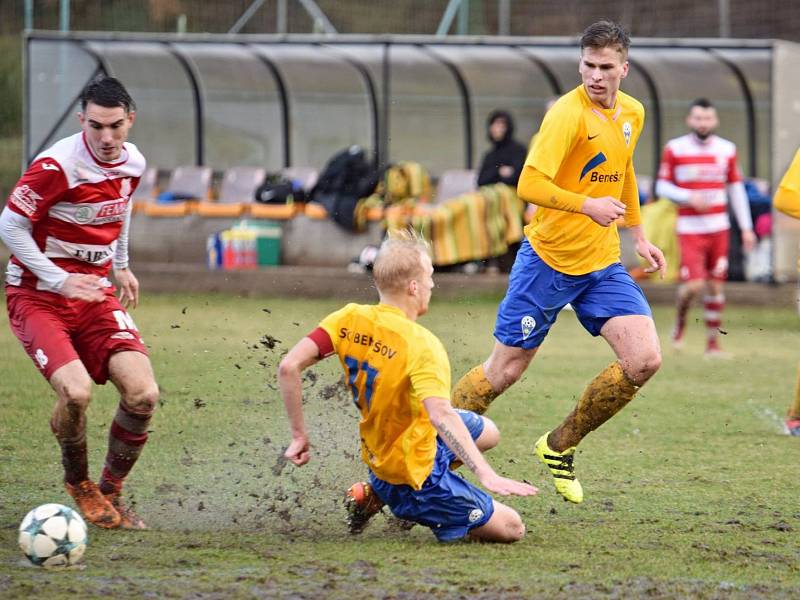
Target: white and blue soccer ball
[{"x": 53, "y": 535}]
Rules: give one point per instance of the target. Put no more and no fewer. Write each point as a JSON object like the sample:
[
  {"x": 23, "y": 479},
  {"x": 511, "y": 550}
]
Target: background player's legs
[
  {"x": 504, "y": 526},
  {"x": 73, "y": 388},
  {"x": 713, "y": 305},
  {"x": 635, "y": 342},
  {"x": 133, "y": 375},
  {"x": 793, "y": 416},
  {"x": 687, "y": 292},
  {"x": 476, "y": 390}
]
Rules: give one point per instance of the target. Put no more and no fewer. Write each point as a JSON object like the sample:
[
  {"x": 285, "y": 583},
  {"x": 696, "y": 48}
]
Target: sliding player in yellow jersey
[
  {"x": 580, "y": 175},
  {"x": 411, "y": 437},
  {"x": 787, "y": 200}
]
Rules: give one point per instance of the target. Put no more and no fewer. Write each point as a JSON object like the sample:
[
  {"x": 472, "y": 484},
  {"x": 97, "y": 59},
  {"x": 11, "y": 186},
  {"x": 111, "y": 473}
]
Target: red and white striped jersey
[
  {"x": 706, "y": 167},
  {"x": 77, "y": 206}
]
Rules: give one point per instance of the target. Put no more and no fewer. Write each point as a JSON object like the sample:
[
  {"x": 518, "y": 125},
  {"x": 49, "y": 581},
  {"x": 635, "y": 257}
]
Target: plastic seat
[
  {"x": 146, "y": 190},
  {"x": 235, "y": 192},
  {"x": 454, "y": 182},
  {"x": 192, "y": 182}
]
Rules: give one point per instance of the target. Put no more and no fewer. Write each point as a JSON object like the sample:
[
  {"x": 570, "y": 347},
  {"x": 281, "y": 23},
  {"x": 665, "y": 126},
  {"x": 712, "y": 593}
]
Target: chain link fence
[{"x": 665, "y": 18}]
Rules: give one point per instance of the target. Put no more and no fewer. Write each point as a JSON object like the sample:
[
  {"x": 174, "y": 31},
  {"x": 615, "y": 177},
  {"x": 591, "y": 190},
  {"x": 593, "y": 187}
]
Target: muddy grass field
[{"x": 692, "y": 491}]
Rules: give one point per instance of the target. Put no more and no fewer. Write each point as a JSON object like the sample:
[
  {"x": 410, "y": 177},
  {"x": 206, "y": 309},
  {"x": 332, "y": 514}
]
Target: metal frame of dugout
[{"x": 280, "y": 101}]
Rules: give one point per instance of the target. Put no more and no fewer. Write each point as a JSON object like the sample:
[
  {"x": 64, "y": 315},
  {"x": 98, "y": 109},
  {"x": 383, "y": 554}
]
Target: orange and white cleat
[
  {"x": 94, "y": 507},
  {"x": 361, "y": 504}
]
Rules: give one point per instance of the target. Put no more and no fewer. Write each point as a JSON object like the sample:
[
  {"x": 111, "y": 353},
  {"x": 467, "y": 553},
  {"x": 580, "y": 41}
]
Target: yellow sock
[
  {"x": 604, "y": 397},
  {"x": 473, "y": 391},
  {"x": 794, "y": 409}
]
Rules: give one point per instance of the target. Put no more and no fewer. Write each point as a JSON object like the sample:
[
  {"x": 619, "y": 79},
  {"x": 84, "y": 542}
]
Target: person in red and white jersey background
[
  {"x": 66, "y": 223},
  {"x": 699, "y": 173}
]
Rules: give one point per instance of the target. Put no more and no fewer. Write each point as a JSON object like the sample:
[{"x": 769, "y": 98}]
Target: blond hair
[{"x": 399, "y": 260}]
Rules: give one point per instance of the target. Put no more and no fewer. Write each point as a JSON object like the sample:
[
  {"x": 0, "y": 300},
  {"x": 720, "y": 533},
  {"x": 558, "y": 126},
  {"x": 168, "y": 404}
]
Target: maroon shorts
[
  {"x": 704, "y": 256},
  {"x": 56, "y": 330}
]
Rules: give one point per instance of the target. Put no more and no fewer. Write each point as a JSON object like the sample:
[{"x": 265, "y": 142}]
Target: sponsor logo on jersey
[
  {"x": 475, "y": 514},
  {"x": 41, "y": 358},
  {"x": 113, "y": 209},
  {"x": 25, "y": 199},
  {"x": 597, "y": 160},
  {"x": 84, "y": 214},
  {"x": 528, "y": 324},
  {"x": 605, "y": 177},
  {"x": 627, "y": 131}
]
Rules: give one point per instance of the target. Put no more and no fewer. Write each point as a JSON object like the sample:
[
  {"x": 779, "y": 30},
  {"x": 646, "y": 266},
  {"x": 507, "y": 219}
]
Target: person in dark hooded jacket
[{"x": 503, "y": 163}]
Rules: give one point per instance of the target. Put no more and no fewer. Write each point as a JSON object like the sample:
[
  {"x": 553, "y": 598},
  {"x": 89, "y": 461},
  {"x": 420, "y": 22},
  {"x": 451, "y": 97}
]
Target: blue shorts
[
  {"x": 537, "y": 292},
  {"x": 447, "y": 503}
]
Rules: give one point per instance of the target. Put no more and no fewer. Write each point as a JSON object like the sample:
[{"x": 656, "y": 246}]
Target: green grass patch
[{"x": 691, "y": 491}]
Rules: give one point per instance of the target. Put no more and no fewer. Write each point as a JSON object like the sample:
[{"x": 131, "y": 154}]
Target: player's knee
[
  {"x": 646, "y": 364},
  {"x": 511, "y": 371},
  {"x": 75, "y": 396},
  {"x": 514, "y": 530},
  {"x": 489, "y": 437},
  {"x": 143, "y": 399}
]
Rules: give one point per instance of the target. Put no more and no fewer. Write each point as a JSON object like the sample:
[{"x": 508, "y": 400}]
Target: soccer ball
[{"x": 53, "y": 535}]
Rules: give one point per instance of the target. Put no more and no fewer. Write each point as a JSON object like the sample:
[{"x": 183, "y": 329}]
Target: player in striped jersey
[
  {"x": 66, "y": 223},
  {"x": 787, "y": 200},
  {"x": 699, "y": 173},
  {"x": 411, "y": 437}
]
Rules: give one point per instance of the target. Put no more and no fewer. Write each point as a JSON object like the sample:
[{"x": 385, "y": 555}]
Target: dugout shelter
[{"x": 293, "y": 101}]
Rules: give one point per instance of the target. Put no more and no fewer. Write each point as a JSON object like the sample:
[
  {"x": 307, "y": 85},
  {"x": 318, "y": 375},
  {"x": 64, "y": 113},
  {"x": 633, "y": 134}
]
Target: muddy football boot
[
  {"x": 128, "y": 517},
  {"x": 361, "y": 504},
  {"x": 560, "y": 465},
  {"x": 94, "y": 507},
  {"x": 793, "y": 426}
]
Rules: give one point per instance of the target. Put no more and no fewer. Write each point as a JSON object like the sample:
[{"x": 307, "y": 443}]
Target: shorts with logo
[
  {"x": 704, "y": 255},
  {"x": 537, "y": 292},
  {"x": 447, "y": 503},
  {"x": 56, "y": 330}
]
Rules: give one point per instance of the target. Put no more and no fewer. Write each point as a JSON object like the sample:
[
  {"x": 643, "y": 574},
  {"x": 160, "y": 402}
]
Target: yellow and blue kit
[
  {"x": 392, "y": 364},
  {"x": 582, "y": 150}
]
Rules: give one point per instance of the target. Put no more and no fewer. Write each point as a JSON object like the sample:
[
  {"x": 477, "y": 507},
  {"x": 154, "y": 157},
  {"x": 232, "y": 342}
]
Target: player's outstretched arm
[
  {"x": 455, "y": 434},
  {"x": 304, "y": 354}
]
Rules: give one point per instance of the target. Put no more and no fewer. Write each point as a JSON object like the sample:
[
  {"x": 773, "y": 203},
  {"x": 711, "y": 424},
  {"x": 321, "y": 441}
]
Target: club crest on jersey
[
  {"x": 528, "y": 324},
  {"x": 475, "y": 514},
  {"x": 125, "y": 188},
  {"x": 627, "y": 131}
]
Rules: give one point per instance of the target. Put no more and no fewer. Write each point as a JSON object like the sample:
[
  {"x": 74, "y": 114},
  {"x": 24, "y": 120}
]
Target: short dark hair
[
  {"x": 605, "y": 34},
  {"x": 109, "y": 92},
  {"x": 702, "y": 103}
]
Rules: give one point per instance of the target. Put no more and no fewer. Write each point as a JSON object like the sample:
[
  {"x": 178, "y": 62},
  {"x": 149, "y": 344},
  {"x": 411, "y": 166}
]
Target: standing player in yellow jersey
[
  {"x": 411, "y": 436},
  {"x": 580, "y": 175},
  {"x": 787, "y": 200}
]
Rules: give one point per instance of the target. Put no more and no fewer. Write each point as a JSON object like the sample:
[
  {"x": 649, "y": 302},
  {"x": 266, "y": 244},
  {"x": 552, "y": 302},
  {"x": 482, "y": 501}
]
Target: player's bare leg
[
  {"x": 132, "y": 373},
  {"x": 73, "y": 388},
  {"x": 482, "y": 384},
  {"x": 635, "y": 342},
  {"x": 687, "y": 292},
  {"x": 504, "y": 526}
]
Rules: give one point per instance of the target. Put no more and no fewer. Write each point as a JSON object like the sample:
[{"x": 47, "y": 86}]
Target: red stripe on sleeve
[{"x": 323, "y": 341}]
